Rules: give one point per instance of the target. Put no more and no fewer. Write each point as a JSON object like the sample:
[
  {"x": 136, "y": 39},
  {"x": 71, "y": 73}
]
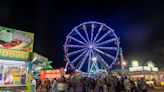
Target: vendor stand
[
  {"x": 149, "y": 72},
  {"x": 15, "y": 48}
]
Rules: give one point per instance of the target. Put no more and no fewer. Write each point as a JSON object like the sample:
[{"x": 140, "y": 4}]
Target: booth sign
[{"x": 14, "y": 55}]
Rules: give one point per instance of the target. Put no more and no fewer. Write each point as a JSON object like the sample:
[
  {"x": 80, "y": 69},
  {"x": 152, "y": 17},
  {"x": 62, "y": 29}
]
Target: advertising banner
[
  {"x": 14, "y": 55},
  {"x": 16, "y": 39}
]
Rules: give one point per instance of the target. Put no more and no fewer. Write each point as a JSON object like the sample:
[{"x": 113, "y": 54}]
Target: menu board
[{"x": 13, "y": 74}]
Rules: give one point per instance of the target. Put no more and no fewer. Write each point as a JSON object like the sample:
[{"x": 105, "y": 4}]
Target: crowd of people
[{"x": 87, "y": 84}]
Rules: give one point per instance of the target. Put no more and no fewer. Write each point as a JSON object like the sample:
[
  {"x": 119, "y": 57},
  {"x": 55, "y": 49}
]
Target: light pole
[
  {"x": 124, "y": 64},
  {"x": 121, "y": 59}
]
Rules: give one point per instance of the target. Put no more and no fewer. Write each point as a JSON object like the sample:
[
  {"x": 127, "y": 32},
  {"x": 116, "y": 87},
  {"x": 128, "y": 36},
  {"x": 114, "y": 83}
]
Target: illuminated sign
[
  {"x": 147, "y": 68},
  {"x": 13, "y": 54},
  {"x": 135, "y": 63},
  {"x": 139, "y": 68},
  {"x": 150, "y": 64},
  {"x": 16, "y": 39},
  {"x": 50, "y": 74},
  {"x": 154, "y": 69}
]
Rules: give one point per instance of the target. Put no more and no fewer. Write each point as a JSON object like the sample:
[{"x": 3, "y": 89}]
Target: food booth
[
  {"x": 15, "y": 49},
  {"x": 149, "y": 72}
]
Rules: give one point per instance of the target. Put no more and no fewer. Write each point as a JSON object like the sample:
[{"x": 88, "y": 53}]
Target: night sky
[{"x": 138, "y": 24}]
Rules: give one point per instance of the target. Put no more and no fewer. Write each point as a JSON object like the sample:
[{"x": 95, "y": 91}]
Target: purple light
[{"x": 90, "y": 46}]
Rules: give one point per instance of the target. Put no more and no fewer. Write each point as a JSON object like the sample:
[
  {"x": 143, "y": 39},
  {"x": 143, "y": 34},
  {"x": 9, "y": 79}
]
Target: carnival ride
[{"x": 91, "y": 48}]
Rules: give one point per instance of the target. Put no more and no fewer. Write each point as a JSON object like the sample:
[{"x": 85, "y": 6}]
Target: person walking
[
  {"x": 33, "y": 85},
  {"x": 127, "y": 84},
  {"x": 118, "y": 85},
  {"x": 133, "y": 87},
  {"x": 109, "y": 84},
  {"x": 53, "y": 85},
  {"x": 92, "y": 85},
  {"x": 42, "y": 87},
  {"x": 61, "y": 85},
  {"x": 100, "y": 86},
  {"x": 142, "y": 85}
]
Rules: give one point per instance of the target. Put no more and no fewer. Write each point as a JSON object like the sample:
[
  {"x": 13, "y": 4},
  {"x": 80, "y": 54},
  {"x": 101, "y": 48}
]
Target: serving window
[{"x": 13, "y": 73}]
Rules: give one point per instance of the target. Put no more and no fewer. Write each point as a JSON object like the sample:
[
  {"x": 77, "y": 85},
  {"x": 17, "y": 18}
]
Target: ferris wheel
[{"x": 91, "y": 47}]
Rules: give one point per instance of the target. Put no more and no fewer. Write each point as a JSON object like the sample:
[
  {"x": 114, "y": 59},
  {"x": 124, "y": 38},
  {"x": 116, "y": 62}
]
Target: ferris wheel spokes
[
  {"x": 81, "y": 36},
  {"x": 107, "y": 41},
  {"x": 75, "y": 46},
  {"x": 79, "y": 57},
  {"x": 104, "y": 53},
  {"x": 82, "y": 62},
  {"x": 95, "y": 38},
  {"x": 92, "y": 30},
  {"x": 85, "y": 30},
  {"x": 76, "y": 52},
  {"x": 103, "y": 61},
  {"x": 77, "y": 40},
  {"x": 102, "y": 37},
  {"x": 107, "y": 48},
  {"x": 89, "y": 61}
]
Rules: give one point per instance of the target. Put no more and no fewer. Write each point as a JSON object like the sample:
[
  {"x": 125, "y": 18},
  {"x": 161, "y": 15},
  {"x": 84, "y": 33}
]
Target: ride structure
[{"x": 91, "y": 48}]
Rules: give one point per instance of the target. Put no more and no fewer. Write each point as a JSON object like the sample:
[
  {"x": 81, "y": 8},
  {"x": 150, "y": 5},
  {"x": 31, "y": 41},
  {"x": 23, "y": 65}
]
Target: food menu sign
[
  {"x": 16, "y": 39},
  {"x": 13, "y": 74}
]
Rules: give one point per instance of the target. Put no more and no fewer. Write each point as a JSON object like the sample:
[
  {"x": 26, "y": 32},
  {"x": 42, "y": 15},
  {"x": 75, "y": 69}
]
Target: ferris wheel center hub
[{"x": 91, "y": 46}]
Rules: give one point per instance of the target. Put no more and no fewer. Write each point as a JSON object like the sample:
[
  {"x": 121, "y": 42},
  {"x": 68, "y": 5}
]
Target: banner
[
  {"x": 39, "y": 57},
  {"x": 16, "y": 40},
  {"x": 14, "y": 55}
]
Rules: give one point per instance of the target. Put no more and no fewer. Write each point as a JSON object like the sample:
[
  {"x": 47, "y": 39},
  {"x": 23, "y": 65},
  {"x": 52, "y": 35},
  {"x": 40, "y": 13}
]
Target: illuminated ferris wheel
[{"x": 91, "y": 47}]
